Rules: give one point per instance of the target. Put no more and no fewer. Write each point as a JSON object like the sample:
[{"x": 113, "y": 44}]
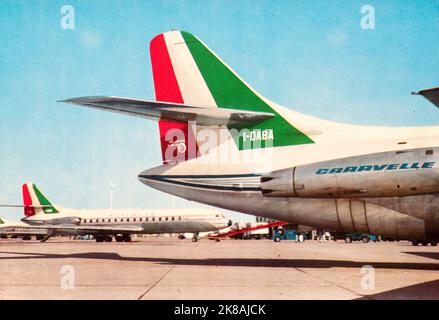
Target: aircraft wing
[
  {"x": 431, "y": 94},
  {"x": 204, "y": 116},
  {"x": 23, "y": 232}
]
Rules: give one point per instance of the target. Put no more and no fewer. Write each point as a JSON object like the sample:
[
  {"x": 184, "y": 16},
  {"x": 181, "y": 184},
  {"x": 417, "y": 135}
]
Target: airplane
[
  {"x": 42, "y": 214},
  {"x": 225, "y": 145},
  {"x": 19, "y": 229}
]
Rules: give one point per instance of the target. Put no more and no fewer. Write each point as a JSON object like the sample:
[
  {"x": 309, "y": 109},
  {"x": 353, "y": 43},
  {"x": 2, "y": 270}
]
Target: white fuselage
[{"x": 150, "y": 221}]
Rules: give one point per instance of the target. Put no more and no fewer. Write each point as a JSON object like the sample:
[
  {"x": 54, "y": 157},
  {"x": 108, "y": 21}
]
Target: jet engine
[{"x": 387, "y": 174}]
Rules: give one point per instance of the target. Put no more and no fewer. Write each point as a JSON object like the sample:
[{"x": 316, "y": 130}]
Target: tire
[
  {"x": 118, "y": 238},
  {"x": 424, "y": 243},
  {"x": 99, "y": 239},
  {"x": 365, "y": 239},
  {"x": 276, "y": 239},
  {"x": 348, "y": 239},
  {"x": 433, "y": 243},
  {"x": 194, "y": 239},
  {"x": 415, "y": 243}
]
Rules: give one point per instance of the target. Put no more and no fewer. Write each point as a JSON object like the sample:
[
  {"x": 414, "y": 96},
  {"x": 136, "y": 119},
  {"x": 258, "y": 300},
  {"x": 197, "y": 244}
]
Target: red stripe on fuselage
[
  {"x": 27, "y": 201},
  {"x": 167, "y": 90}
]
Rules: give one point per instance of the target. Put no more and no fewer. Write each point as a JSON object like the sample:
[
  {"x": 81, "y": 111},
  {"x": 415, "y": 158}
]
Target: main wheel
[
  {"x": 126, "y": 238},
  {"x": 424, "y": 243},
  {"x": 99, "y": 239},
  {"x": 348, "y": 239},
  {"x": 365, "y": 239},
  {"x": 194, "y": 239},
  {"x": 415, "y": 242},
  {"x": 433, "y": 243},
  {"x": 118, "y": 238}
]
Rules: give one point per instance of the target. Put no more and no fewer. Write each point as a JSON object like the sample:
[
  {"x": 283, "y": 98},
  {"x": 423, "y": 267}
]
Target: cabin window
[
  {"x": 85, "y": 220},
  {"x": 179, "y": 218},
  {"x": 160, "y": 219},
  {"x": 134, "y": 220},
  {"x": 153, "y": 219},
  {"x": 115, "y": 220},
  {"x": 140, "y": 219},
  {"x": 108, "y": 220},
  {"x": 128, "y": 219},
  {"x": 429, "y": 152},
  {"x": 173, "y": 218},
  {"x": 166, "y": 218},
  {"x": 121, "y": 220}
]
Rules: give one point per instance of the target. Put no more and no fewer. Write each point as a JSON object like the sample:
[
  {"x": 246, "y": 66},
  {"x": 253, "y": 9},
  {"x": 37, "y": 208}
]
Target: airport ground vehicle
[
  {"x": 364, "y": 237},
  {"x": 281, "y": 234}
]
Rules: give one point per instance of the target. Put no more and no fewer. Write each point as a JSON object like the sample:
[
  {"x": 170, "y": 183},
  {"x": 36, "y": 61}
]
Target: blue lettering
[
  {"x": 322, "y": 171},
  {"x": 404, "y": 166},
  {"x": 365, "y": 168},
  {"x": 415, "y": 166},
  {"x": 428, "y": 165}
]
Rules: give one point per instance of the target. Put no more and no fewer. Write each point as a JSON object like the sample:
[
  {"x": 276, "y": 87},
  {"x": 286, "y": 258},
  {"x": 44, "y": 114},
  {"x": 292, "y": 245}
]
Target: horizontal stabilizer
[
  {"x": 431, "y": 94},
  {"x": 204, "y": 116}
]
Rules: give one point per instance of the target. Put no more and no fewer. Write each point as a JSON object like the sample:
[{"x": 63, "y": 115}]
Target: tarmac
[{"x": 163, "y": 268}]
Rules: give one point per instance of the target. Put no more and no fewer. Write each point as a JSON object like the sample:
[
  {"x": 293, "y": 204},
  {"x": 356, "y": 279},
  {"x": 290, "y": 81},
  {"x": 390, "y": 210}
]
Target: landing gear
[
  {"x": 433, "y": 243},
  {"x": 99, "y": 238},
  {"x": 365, "y": 239},
  {"x": 348, "y": 239},
  {"x": 108, "y": 238},
  {"x": 126, "y": 238},
  {"x": 195, "y": 237},
  {"x": 118, "y": 238}
]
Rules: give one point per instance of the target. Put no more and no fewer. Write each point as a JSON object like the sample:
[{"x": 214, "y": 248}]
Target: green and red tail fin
[
  {"x": 35, "y": 201},
  {"x": 186, "y": 71}
]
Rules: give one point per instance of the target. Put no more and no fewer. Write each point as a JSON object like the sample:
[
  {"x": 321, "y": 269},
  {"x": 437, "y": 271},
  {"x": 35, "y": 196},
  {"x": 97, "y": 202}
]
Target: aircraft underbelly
[{"x": 391, "y": 217}]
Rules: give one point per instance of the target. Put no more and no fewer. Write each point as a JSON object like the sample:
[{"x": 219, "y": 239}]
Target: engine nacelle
[{"x": 387, "y": 174}]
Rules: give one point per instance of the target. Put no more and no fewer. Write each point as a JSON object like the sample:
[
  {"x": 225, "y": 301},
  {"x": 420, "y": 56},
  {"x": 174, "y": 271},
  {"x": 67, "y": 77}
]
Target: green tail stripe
[
  {"x": 49, "y": 208},
  {"x": 230, "y": 92},
  {"x": 1, "y": 221}
]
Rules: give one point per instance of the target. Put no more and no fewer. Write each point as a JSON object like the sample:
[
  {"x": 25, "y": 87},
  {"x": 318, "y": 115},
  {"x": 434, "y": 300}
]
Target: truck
[{"x": 281, "y": 234}]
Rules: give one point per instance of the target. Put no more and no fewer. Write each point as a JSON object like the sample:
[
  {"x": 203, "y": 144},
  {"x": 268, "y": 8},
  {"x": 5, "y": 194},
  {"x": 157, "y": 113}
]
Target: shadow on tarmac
[
  {"x": 423, "y": 291},
  {"x": 238, "y": 262}
]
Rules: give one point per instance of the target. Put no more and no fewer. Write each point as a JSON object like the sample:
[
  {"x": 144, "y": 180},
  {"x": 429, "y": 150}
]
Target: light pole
[{"x": 112, "y": 186}]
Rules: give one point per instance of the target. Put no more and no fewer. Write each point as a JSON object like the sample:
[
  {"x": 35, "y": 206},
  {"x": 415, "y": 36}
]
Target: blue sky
[{"x": 311, "y": 56}]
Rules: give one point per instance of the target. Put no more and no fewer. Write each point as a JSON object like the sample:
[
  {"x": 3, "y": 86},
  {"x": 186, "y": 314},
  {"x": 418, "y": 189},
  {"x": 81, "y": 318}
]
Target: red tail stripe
[
  {"x": 27, "y": 201},
  {"x": 167, "y": 89}
]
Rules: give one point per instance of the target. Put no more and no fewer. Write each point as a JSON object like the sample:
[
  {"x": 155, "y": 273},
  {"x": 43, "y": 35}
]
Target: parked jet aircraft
[
  {"x": 304, "y": 170},
  {"x": 40, "y": 213},
  {"x": 19, "y": 229}
]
